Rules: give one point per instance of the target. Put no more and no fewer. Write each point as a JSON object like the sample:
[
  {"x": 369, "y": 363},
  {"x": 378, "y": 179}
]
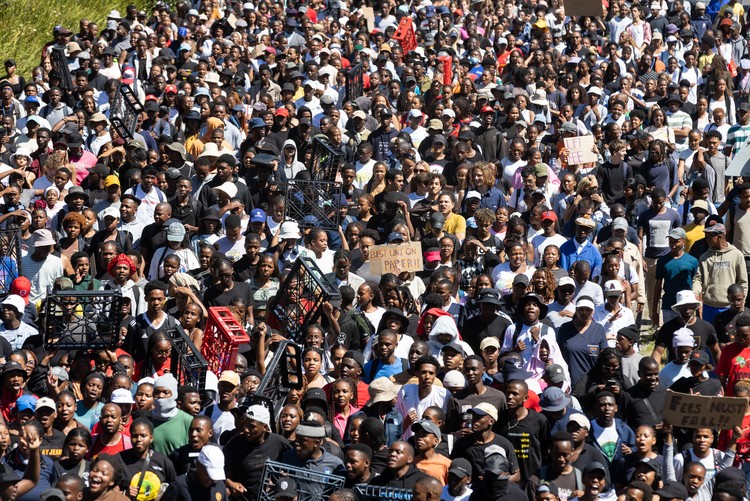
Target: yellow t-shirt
[
  {"x": 694, "y": 233},
  {"x": 455, "y": 224}
]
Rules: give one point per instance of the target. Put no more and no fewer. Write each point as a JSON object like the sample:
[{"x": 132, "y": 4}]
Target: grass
[{"x": 26, "y": 25}]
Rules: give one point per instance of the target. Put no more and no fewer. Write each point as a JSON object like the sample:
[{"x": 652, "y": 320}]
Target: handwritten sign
[
  {"x": 395, "y": 258},
  {"x": 583, "y": 7},
  {"x": 579, "y": 150},
  {"x": 740, "y": 165},
  {"x": 698, "y": 411}
]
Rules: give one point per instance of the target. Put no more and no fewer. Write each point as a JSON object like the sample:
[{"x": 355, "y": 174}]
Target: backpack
[{"x": 363, "y": 324}]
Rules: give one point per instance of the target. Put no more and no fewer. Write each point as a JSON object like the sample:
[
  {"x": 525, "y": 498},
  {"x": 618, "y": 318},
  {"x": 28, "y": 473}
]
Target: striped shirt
[{"x": 737, "y": 137}]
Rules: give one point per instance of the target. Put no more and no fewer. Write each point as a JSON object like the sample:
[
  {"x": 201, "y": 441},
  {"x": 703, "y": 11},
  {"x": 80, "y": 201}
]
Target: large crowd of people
[{"x": 573, "y": 185}]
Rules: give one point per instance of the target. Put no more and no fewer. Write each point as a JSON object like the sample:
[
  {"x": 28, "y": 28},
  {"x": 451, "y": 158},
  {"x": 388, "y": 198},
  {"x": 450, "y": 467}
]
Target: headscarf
[
  {"x": 181, "y": 279},
  {"x": 118, "y": 259}
]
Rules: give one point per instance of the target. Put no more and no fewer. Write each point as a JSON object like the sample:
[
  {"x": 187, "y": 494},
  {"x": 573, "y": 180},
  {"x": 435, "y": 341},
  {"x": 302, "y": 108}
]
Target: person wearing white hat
[
  {"x": 682, "y": 342},
  {"x": 415, "y": 129},
  {"x": 612, "y": 315},
  {"x": 205, "y": 482},
  {"x": 41, "y": 267},
  {"x": 13, "y": 330},
  {"x": 581, "y": 340},
  {"x": 704, "y": 334}
]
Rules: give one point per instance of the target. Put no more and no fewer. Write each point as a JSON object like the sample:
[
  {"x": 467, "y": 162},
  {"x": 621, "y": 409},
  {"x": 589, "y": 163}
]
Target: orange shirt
[{"x": 437, "y": 466}]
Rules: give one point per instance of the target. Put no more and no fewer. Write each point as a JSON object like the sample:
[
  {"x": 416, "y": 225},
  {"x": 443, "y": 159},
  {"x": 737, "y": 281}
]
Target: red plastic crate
[{"x": 222, "y": 339}]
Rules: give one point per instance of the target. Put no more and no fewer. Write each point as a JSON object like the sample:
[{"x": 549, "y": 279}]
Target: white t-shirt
[{"x": 606, "y": 438}]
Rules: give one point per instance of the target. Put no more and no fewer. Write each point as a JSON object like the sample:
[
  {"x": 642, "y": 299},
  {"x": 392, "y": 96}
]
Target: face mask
[
  {"x": 165, "y": 408},
  {"x": 473, "y": 60}
]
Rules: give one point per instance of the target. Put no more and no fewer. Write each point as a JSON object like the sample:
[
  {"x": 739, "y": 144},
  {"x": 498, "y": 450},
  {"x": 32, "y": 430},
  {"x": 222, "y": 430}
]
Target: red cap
[
  {"x": 270, "y": 50},
  {"x": 282, "y": 112},
  {"x": 549, "y": 215},
  {"x": 151, "y": 97},
  {"x": 488, "y": 109},
  {"x": 22, "y": 287},
  {"x": 170, "y": 88}
]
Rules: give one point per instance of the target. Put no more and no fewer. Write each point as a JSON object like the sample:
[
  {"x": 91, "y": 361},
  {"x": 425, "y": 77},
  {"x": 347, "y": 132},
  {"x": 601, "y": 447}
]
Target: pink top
[{"x": 339, "y": 420}]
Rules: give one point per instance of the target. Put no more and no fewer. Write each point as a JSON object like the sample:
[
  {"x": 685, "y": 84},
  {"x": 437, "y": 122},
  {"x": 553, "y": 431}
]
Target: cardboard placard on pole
[
  {"x": 579, "y": 150},
  {"x": 395, "y": 258},
  {"x": 583, "y": 7},
  {"x": 698, "y": 411}
]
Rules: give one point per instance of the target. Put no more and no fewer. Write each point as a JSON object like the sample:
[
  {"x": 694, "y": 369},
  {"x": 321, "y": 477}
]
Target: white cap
[
  {"x": 449, "y": 112},
  {"x": 258, "y": 413},
  {"x": 289, "y": 229},
  {"x": 228, "y": 188},
  {"x": 594, "y": 90},
  {"x": 585, "y": 302},
  {"x": 612, "y": 288},
  {"x": 212, "y": 460},
  {"x": 121, "y": 396},
  {"x": 473, "y": 194},
  {"x": 454, "y": 379},
  {"x": 111, "y": 212},
  {"x": 415, "y": 113},
  {"x": 566, "y": 281},
  {"x": 45, "y": 402}
]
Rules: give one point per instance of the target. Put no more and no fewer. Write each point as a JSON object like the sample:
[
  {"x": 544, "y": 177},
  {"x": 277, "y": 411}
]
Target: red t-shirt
[
  {"x": 99, "y": 447},
  {"x": 734, "y": 365}
]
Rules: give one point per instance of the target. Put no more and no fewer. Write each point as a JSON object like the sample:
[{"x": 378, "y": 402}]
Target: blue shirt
[
  {"x": 581, "y": 350},
  {"x": 568, "y": 254},
  {"x": 396, "y": 367},
  {"x": 677, "y": 275}
]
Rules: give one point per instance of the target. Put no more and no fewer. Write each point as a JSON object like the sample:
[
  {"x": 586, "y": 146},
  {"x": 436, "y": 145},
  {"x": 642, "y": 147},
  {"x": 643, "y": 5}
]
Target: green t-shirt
[{"x": 171, "y": 434}]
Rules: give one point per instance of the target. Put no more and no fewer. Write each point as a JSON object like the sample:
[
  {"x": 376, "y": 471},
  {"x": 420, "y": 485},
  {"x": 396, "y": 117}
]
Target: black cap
[
  {"x": 595, "y": 466},
  {"x": 314, "y": 394},
  {"x": 671, "y": 490},
  {"x": 357, "y": 356}
]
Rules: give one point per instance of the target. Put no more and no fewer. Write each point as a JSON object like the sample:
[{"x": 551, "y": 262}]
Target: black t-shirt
[
  {"x": 247, "y": 459},
  {"x": 214, "y": 296},
  {"x": 709, "y": 387},
  {"x": 467, "y": 400},
  {"x": 637, "y": 412},
  {"x": 474, "y": 330},
  {"x": 703, "y": 333},
  {"x": 52, "y": 445},
  {"x": 159, "y": 465},
  {"x": 724, "y": 324},
  {"x": 467, "y": 448},
  {"x": 530, "y": 438},
  {"x": 244, "y": 269}
]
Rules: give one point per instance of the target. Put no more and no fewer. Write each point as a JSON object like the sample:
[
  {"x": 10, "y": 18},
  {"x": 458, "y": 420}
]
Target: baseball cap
[
  {"x": 678, "y": 233},
  {"x": 258, "y": 413},
  {"x": 554, "y": 373},
  {"x": 717, "y": 228},
  {"x": 21, "y": 286},
  {"x": 484, "y": 409},
  {"x": 427, "y": 426},
  {"x": 257, "y": 216},
  {"x": 460, "y": 467},
  {"x": 549, "y": 215},
  {"x": 580, "y": 419},
  {"x": 45, "y": 403},
  {"x": 212, "y": 459},
  {"x": 26, "y": 403},
  {"x": 620, "y": 223},
  {"x": 566, "y": 281},
  {"x": 489, "y": 341},
  {"x": 230, "y": 377}
]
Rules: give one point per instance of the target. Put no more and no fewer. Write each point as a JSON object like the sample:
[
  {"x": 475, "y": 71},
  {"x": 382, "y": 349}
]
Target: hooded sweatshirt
[
  {"x": 288, "y": 171},
  {"x": 536, "y": 366},
  {"x": 717, "y": 270},
  {"x": 445, "y": 325}
]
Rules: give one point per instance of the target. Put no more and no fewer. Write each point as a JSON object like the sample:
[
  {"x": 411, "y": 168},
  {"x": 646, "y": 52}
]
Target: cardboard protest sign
[
  {"x": 583, "y": 7},
  {"x": 740, "y": 165},
  {"x": 579, "y": 148},
  {"x": 699, "y": 411},
  {"x": 395, "y": 258}
]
